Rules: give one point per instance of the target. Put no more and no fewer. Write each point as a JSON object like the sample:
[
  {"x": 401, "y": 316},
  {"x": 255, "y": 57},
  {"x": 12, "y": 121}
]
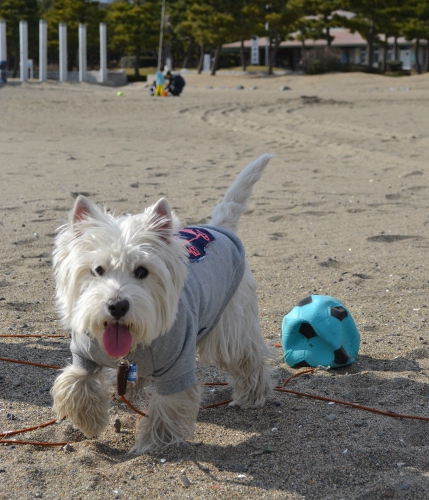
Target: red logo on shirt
[{"x": 197, "y": 239}]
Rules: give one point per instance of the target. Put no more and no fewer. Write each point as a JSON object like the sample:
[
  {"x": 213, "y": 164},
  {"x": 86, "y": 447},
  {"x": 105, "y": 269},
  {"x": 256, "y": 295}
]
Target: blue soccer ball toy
[{"x": 319, "y": 331}]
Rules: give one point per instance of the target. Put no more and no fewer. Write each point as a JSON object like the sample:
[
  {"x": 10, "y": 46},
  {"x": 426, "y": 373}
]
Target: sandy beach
[{"x": 341, "y": 210}]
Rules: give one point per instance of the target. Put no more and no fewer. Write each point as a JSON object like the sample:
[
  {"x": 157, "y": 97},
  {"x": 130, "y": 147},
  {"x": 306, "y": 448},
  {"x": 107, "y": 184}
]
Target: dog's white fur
[{"x": 94, "y": 238}]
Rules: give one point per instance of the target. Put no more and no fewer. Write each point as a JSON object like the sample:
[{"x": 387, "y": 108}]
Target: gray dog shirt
[{"x": 215, "y": 270}]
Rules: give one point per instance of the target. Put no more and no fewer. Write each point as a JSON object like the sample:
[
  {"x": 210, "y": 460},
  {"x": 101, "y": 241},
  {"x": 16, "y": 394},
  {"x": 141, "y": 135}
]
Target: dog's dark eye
[
  {"x": 99, "y": 271},
  {"x": 141, "y": 272}
]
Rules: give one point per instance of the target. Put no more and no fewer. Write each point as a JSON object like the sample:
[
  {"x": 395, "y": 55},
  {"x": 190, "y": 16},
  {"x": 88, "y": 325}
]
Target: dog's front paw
[
  {"x": 83, "y": 398},
  {"x": 155, "y": 433},
  {"x": 171, "y": 419},
  {"x": 145, "y": 444},
  {"x": 246, "y": 405},
  {"x": 157, "y": 436}
]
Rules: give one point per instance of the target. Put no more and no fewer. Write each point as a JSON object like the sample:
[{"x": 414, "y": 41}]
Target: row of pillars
[{"x": 43, "y": 50}]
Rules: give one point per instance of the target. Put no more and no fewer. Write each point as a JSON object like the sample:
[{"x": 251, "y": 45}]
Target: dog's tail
[{"x": 227, "y": 214}]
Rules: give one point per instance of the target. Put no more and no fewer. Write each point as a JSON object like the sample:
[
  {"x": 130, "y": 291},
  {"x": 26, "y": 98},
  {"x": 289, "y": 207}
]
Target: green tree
[
  {"x": 134, "y": 26},
  {"x": 319, "y": 18},
  {"x": 211, "y": 23},
  {"x": 370, "y": 21},
  {"x": 280, "y": 17},
  {"x": 305, "y": 31},
  {"x": 324, "y": 17},
  {"x": 14, "y": 11},
  {"x": 249, "y": 22},
  {"x": 391, "y": 19},
  {"x": 303, "y": 27},
  {"x": 416, "y": 27},
  {"x": 180, "y": 34}
]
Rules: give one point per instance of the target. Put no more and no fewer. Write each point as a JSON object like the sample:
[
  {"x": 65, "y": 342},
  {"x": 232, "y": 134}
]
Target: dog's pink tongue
[{"x": 117, "y": 340}]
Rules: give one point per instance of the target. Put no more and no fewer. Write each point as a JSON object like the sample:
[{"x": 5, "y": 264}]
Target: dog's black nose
[{"x": 118, "y": 308}]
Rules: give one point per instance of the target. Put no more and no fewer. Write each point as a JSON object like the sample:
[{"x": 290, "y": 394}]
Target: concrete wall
[{"x": 114, "y": 78}]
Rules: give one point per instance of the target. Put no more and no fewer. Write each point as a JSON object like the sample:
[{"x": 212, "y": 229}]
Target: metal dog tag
[{"x": 132, "y": 373}]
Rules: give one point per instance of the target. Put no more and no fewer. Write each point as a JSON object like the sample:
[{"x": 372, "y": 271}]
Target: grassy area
[
  {"x": 253, "y": 69},
  {"x": 402, "y": 72}
]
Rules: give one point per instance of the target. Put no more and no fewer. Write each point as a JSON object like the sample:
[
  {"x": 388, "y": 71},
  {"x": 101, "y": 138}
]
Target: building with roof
[{"x": 352, "y": 46}]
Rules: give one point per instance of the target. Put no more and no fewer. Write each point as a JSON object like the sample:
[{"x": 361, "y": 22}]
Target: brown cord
[
  {"x": 39, "y": 335},
  {"x": 353, "y": 405},
  {"x": 303, "y": 372},
  {"x": 344, "y": 403},
  {"x": 277, "y": 388},
  {"x": 229, "y": 400},
  {"x": 28, "y": 429},
  {"x": 22, "y": 362},
  {"x": 34, "y": 443},
  {"x": 216, "y": 404},
  {"x": 125, "y": 400}
]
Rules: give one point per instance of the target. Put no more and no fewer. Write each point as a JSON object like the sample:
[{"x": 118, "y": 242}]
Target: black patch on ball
[
  {"x": 304, "y": 302},
  {"x": 339, "y": 312},
  {"x": 302, "y": 364},
  {"x": 341, "y": 357},
  {"x": 307, "y": 330}
]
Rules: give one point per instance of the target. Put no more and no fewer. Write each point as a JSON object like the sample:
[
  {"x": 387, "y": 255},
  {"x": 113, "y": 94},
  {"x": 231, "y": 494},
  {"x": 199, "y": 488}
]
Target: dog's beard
[
  {"x": 150, "y": 313},
  {"x": 118, "y": 246}
]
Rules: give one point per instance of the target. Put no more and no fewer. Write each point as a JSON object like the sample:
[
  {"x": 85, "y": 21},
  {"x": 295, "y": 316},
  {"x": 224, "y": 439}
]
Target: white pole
[
  {"x": 82, "y": 52},
  {"x": 103, "y": 53},
  {"x": 63, "y": 52},
  {"x": 161, "y": 32},
  {"x": 206, "y": 62},
  {"x": 23, "y": 50},
  {"x": 267, "y": 49},
  {"x": 3, "y": 51},
  {"x": 43, "y": 51}
]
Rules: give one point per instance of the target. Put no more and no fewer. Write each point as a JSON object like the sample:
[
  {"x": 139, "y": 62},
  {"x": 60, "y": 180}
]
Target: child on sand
[{"x": 159, "y": 82}]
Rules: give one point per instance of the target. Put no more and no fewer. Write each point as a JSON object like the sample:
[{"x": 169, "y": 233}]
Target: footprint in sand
[{"x": 391, "y": 238}]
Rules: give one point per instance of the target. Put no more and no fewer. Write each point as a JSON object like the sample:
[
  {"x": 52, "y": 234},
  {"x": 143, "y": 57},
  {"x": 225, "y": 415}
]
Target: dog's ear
[
  {"x": 163, "y": 221},
  {"x": 83, "y": 209}
]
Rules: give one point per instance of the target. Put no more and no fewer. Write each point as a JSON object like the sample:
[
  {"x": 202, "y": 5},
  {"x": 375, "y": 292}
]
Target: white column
[
  {"x": 3, "y": 51},
  {"x": 82, "y": 52},
  {"x": 267, "y": 51},
  {"x": 43, "y": 50},
  {"x": 23, "y": 50},
  {"x": 63, "y": 52},
  {"x": 103, "y": 53},
  {"x": 206, "y": 62},
  {"x": 254, "y": 51}
]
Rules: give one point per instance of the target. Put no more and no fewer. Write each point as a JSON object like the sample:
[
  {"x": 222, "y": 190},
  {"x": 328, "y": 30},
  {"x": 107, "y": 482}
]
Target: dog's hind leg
[
  {"x": 237, "y": 346},
  {"x": 83, "y": 398}
]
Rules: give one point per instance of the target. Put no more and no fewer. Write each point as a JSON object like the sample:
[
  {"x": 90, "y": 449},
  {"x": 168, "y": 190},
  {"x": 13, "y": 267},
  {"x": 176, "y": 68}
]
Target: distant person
[
  {"x": 168, "y": 78},
  {"x": 159, "y": 83},
  {"x": 175, "y": 83}
]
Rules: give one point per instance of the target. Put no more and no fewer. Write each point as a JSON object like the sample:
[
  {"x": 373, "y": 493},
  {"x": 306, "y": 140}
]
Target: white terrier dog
[{"x": 140, "y": 288}]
